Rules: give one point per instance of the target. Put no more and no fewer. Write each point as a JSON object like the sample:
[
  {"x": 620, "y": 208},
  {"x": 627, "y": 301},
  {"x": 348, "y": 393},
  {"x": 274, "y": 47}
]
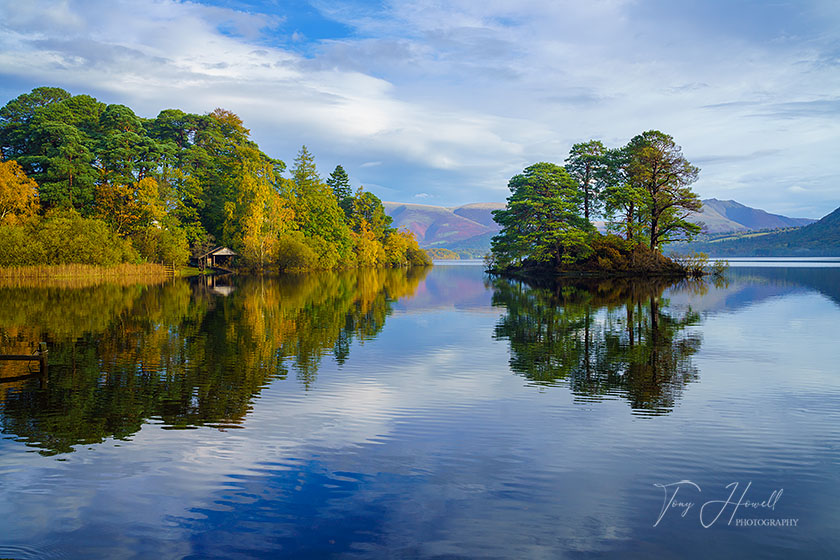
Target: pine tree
[{"x": 340, "y": 184}]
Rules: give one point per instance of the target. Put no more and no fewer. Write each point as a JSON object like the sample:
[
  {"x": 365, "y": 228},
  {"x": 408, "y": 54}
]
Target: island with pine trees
[{"x": 643, "y": 190}]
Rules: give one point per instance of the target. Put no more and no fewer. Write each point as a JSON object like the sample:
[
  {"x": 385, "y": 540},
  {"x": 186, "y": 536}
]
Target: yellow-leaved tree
[
  {"x": 128, "y": 208},
  {"x": 261, "y": 214},
  {"x": 18, "y": 194}
]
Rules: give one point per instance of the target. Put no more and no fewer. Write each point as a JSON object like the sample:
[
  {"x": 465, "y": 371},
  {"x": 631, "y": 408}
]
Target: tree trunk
[
  {"x": 630, "y": 222},
  {"x": 654, "y": 224},
  {"x": 586, "y": 200}
]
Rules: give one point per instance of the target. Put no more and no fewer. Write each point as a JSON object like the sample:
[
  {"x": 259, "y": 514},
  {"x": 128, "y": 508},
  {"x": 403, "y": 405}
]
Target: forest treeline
[
  {"x": 642, "y": 191},
  {"x": 86, "y": 182}
]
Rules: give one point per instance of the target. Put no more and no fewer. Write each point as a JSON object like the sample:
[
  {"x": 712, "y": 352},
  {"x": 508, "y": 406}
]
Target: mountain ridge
[
  {"x": 819, "y": 239},
  {"x": 438, "y": 226},
  {"x": 467, "y": 229},
  {"x": 722, "y": 216}
]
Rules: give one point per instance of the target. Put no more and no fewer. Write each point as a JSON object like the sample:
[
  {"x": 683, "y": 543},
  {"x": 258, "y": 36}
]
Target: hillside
[
  {"x": 481, "y": 212},
  {"x": 467, "y": 229},
  {"x": 720, "y": 216},
  {"x": 819, "y": 239}
]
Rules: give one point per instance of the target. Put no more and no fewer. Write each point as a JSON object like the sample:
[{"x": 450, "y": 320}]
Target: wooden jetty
[{"x": 40, "y": 356}]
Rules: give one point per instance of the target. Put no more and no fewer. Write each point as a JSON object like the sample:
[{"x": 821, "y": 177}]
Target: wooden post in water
[{"x": 42, "y": 357}]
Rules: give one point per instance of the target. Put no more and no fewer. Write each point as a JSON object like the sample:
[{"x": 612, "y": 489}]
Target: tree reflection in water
[
  {"x": 603, "y": 339},
  {"x": 178, "y": 353}
]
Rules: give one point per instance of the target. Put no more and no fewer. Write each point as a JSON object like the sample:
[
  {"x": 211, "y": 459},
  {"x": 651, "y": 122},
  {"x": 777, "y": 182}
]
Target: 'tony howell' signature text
[{"x": 677, "y": 497}]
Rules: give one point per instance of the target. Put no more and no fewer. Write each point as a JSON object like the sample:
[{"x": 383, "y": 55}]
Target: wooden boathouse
[{"x": 220, "y": 258}]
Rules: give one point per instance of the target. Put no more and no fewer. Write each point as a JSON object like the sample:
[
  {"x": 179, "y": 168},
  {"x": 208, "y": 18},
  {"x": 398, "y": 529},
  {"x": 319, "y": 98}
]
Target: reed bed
[{"x": 82, "y": 275}]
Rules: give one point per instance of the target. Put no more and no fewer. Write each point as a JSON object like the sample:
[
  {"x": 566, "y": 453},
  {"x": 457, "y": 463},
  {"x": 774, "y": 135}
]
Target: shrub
[
  {"x": 719, "y": 267},
  {"x": 694, "y": 264},
  {"x": 63, "y": 238},
  {"x": 19, "y": 248},
  {"x": 293, "y": 253},
  {"x": 69, "y": 238},
  {"x": 162, "y": 244}
]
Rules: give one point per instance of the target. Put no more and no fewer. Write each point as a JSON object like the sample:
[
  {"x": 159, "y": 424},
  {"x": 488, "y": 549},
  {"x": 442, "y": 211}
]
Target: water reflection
[
  {"x": 179, "y": 354},
  {"x": 602, "y": 339}
]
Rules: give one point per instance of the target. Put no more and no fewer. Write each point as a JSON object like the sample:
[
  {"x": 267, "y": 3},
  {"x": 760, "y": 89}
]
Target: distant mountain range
[
  {"x": 720, "y": 216},
  {"x": 467, "y": 229},
  {"x": 819, "y": 239}
]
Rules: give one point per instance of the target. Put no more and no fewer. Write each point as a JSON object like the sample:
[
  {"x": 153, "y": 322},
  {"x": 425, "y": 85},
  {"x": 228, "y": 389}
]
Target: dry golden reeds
[{"x": 82, "y": 275}]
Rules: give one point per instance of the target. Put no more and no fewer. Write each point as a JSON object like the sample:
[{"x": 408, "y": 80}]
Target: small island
[{"x": 642, "y": 190}]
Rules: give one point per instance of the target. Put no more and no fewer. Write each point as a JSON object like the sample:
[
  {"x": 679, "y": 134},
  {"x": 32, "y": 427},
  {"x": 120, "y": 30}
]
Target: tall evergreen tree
[
  {"x": 340, "y": 184},
  {"x": 657, "y": 166},
  {"x": 586, "y": 165},
  {"x": 542, "y": 221},
  {"x": 304, "y": 173},
  {"x": 318, "y": 213}
]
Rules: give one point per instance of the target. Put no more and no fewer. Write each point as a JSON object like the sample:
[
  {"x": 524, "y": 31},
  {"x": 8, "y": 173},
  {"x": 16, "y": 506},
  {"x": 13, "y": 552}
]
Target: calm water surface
[{"x": 424, "y": 414}]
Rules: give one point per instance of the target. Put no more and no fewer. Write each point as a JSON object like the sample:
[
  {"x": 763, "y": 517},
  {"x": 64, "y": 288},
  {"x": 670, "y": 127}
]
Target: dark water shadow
[{"x": 609, "y": 339}]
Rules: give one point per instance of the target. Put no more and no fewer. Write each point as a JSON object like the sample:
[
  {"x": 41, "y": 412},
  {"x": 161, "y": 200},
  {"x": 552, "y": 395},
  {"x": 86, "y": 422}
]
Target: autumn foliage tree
[
  {"x": 160, "y": 185},
  {"x": 18, "y": 194}
]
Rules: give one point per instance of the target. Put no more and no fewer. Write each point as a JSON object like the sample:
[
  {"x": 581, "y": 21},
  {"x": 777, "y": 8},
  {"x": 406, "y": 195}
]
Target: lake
[{"x": 432, "y": 413}]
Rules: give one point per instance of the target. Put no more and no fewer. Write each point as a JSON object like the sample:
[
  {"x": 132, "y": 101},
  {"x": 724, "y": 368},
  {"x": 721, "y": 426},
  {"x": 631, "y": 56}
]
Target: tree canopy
[
  {"x": 164, "y": 184},
  {"x": 641, "y": 189},
  {"x": 657, "y": 168},
  {"x": 542, "y": 221},
  {"x": 586, "y": 165}
]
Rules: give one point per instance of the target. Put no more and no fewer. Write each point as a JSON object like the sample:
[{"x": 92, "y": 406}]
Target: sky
[{"x": 441, "y": 102}]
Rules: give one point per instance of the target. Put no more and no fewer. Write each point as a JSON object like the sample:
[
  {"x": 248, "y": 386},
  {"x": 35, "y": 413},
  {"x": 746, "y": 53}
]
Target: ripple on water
[
  {"x": 35, "y": 553},
  {"x": 435, "y": 436}
]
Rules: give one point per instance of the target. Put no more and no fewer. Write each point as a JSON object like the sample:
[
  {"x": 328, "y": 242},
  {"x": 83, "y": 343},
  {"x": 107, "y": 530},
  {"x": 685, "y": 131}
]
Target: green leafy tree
[
  {"x": 368, "y": 209},
  {"x": 622, "y": 200},
  {"x": 542, "y": 221},
  {"x": 16, "y": 118},
  {"x": 63, "y": 168},
  {"x": 124, "y": 152},
  {"x": 586, "y": 165},
  {"x": 185, "y": 168},
  {"x": 318, "y": 214},
  {"x": 52, "y": 136},
  {"x": 305, "y": 174},
  {"x": 656, "y": 165}
]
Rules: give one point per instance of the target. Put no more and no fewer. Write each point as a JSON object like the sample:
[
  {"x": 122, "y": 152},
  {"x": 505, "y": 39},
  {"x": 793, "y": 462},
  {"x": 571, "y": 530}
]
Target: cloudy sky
[{"x": 440, "y": 102}]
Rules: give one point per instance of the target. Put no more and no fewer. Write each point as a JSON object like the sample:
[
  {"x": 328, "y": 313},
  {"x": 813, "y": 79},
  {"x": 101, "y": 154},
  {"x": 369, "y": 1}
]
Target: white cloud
[{"x": 454, "y": 98}]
